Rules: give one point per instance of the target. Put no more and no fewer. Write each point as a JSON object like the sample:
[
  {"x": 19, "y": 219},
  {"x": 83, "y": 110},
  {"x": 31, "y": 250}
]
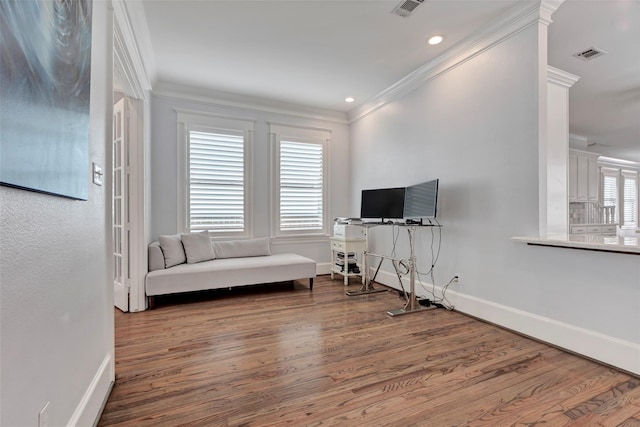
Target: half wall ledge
[{"x": 590, "y": 242}]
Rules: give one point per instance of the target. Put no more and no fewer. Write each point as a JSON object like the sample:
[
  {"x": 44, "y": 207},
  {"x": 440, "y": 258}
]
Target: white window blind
[
  {"x": 301, "y": 186},
  {"x": 610, "y": 190},
  {"x": 630, "y": 199},
  {"x": 216, "y": 181}
]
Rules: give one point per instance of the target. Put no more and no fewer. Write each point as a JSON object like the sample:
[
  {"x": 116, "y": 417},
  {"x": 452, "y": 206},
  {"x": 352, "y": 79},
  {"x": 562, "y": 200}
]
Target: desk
[
  {"x": 412, "y": 305},
  {"x": 346, "y": 246}
]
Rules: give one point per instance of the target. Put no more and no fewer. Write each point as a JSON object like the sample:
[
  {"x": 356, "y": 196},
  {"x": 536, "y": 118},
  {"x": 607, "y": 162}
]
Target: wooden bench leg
[
  {"x": 310, "y": 283},
  {"x": 152, "y": 302}
]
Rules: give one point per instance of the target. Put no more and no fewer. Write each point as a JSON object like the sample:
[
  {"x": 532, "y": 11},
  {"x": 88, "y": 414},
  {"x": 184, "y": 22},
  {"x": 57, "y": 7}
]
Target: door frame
[{"x": 130, "y": 70}]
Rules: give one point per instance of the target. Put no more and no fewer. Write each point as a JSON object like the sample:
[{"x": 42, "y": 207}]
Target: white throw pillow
[
  {"x": 172, "y": 250},
  {"x": 242, "y": 248},
  {"x": 197, "y": 247}
]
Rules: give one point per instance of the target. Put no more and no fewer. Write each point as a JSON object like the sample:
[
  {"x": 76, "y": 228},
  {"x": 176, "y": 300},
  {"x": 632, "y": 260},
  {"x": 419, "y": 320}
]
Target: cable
[
  {"x": 444, "y": 299},
  {"x": 435, "y": 255},
  {"x": 432, "y": 292},
  {"x": 434, "y": 259},
  {"x": 396, "y": 234},
  {"x": 418, "y": 273}
]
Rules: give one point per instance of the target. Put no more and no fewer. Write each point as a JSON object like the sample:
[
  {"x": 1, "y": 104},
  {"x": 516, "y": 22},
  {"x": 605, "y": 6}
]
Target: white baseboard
[
  {"x": 88, "y": 411},
  {"x": 594, "y": 345},
  {"x": 324, "y": 268}
]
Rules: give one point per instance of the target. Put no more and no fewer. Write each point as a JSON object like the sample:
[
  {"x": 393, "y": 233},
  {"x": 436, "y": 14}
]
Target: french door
[{"x": 121, "y": 217}]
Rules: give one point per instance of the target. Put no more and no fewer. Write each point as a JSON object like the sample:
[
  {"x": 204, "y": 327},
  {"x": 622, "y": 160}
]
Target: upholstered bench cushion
[{"x": 229, "y": 272}]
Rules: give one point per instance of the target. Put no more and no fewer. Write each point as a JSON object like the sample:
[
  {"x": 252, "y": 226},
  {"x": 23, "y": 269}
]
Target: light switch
[{"x": 97, "y": 174}]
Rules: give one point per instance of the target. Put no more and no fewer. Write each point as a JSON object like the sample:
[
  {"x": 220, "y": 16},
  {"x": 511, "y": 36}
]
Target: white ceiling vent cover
[
  {"x": 405, "y": 7},
  {"x": 589, "y": 54}
]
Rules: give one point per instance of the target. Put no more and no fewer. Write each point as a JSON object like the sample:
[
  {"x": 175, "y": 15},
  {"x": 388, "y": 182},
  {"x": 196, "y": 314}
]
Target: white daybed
[{"x": 192, "y": 262}]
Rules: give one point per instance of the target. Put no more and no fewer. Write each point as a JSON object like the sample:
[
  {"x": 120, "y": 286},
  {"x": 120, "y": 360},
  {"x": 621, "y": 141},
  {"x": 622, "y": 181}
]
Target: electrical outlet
[
  {"x": 456, "y": 278},
  {"x": 43, "y": 416}
]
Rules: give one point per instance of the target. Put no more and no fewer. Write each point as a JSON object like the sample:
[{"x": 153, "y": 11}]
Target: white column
[{"x": 557, "y": 152}]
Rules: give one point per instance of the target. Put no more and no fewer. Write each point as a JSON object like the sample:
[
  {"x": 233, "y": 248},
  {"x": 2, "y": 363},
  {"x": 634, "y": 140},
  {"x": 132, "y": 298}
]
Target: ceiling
[
  {"x": 317, "y": 52},
  {"x": 604, "y": 105}
]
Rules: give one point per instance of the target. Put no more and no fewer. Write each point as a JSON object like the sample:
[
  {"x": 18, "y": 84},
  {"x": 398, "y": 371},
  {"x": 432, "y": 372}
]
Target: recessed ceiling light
[
  {"x": 436, "y": 39},
  {"x": 349, "y": 99}
]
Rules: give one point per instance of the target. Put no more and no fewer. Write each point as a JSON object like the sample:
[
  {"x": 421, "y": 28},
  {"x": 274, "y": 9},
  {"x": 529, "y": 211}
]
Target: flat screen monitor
[
  {"x": 421, "y": 200},
  {"x": 382, "y": 203}
]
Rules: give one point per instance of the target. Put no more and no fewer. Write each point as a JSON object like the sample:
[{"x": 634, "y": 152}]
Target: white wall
[
  {"x": 164, "y": 167},
  {"x": 476, "y": 128},
  {"x": 56, "y": 298}
]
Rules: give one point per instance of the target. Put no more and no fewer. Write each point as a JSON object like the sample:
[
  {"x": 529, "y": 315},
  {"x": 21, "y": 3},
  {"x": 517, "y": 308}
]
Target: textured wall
[{"x": 56, "y": 299}]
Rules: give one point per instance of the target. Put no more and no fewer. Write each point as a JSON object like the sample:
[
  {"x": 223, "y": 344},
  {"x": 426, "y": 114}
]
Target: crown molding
[
  {"x": 132, "y": 43},
  {"x": 619, "y": 163},
  {"x": 523, "y": 15},
  {"x": 125, "y": 72},
  {"x": 561, "y": 78},
  {"x": 547, "y": 8},
  {"x": 578, "y": 142},
  {"x": 247, "y": 103}
]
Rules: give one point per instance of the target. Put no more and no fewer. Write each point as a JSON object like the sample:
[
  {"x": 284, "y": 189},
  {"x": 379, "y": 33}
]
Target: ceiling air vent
[
  {"x": 591, "y": 53},
  {"x": 405, "y": 7}
]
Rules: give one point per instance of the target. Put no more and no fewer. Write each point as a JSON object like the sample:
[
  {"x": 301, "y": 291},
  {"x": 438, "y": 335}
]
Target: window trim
[
  {"x": 632, "y": 176},
  {"x": 199, "y": 121},
  {"x": 614, "y": 173},
  {"x": 311, "y": 135},
  {"x": 621, "y": 173}
]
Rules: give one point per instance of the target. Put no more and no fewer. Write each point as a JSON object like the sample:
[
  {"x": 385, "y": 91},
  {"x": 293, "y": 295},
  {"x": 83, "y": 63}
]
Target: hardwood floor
[{"x": 273, "y": 356}]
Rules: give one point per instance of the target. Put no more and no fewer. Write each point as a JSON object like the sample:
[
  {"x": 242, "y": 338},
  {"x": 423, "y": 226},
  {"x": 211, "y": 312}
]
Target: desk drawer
[{"x": 338, "y": 245}]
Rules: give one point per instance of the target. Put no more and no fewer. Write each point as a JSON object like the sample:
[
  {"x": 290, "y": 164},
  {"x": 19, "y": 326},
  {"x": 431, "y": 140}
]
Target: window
[
  {"x": 620, "y": 190},
  {"x": 300, "y": 177},
  {"x": 629, "y": 199},
  {"x": 610, "y": 190},
  {"x": 214, "y": 163},
  {"x": 216, "y": 181},
  {"x": 301, "y": 184}
]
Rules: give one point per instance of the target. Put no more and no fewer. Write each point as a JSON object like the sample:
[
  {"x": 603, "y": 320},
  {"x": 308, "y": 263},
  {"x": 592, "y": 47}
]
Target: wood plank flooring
[{"x": 275, "y": 356}]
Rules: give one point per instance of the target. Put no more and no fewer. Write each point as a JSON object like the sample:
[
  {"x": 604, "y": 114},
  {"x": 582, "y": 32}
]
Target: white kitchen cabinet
[
  {"x": 593, "y": 177},
  {"x": 584, "y": 176},
  {"x": 602, "y": 229},
  {"x": 573, "y": 177},
  {"x": 578, "y": 229}
]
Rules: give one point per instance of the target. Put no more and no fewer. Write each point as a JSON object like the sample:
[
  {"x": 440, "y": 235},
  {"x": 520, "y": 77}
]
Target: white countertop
[{"x": 595, "y": 242}]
